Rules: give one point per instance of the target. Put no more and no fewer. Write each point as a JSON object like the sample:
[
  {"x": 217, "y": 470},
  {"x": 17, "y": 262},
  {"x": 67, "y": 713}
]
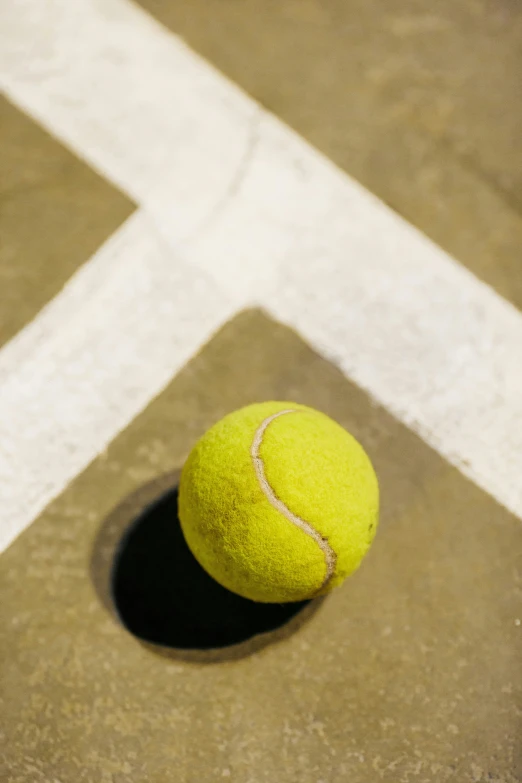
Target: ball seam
[{"x": 268, "y": 491}]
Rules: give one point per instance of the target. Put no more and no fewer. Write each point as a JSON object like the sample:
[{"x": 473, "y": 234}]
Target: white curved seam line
[{"x": 259, "y": 467}]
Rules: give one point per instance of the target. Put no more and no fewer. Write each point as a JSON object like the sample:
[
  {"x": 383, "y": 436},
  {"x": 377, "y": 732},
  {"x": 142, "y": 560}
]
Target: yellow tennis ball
[{"x": 278, "y": 502}]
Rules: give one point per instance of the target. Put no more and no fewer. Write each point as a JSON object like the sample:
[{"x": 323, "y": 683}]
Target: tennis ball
[{"x": 278, "y": 502}]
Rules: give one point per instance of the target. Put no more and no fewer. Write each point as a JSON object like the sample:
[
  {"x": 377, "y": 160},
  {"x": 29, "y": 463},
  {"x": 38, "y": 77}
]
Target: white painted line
[
  {"x": 125, "y": 323},
  {"x": 134, "y": 102},
  {"x": 244, "y": 201},
  {"x": 435, "y": 346}
]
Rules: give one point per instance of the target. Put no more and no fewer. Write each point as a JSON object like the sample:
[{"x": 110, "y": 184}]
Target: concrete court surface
[{"x": 412, "y": 670}]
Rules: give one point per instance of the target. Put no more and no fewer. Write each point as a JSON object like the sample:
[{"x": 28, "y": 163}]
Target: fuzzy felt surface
[{"x": 315, "y": 468}]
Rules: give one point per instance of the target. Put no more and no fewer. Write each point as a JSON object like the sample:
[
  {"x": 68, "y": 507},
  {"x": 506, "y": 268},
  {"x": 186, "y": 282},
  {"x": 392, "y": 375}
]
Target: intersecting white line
[
  {"x": 235, "y": 208},
  {"x": 92, "y": 360}
]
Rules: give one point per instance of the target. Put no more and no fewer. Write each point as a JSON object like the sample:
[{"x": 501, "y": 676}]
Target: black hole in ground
[{"x": 163, "y": 596}]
